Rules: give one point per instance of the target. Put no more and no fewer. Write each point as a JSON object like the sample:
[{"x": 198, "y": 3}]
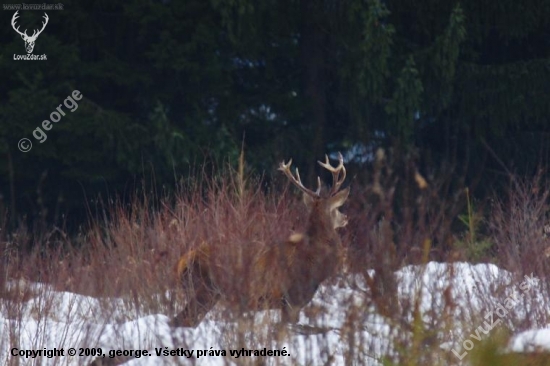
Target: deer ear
[{"x": 338, "y": 199}]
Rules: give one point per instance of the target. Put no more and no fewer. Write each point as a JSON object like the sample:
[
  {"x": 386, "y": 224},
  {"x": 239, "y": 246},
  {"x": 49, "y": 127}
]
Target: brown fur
[{"x": 284, "y": 276}]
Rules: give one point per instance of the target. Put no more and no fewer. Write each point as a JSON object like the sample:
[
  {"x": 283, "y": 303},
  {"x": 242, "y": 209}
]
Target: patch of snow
[{"x": 461, "y": 290}]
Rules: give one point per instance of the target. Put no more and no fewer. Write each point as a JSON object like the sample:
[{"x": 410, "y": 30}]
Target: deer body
[{"x": 285, "y": 275}]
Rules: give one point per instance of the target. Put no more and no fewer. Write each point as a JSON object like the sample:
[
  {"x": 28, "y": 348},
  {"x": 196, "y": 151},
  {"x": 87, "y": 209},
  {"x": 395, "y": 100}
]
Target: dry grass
[{"x": 131, "y": 253}]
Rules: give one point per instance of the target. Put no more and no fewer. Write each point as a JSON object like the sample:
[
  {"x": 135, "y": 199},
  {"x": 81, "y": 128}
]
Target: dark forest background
[{"x": 169, "y": 86}]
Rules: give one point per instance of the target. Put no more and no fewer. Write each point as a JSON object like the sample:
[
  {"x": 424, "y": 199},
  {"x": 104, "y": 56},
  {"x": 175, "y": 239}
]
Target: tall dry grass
[{"x": 130, "y": 249}]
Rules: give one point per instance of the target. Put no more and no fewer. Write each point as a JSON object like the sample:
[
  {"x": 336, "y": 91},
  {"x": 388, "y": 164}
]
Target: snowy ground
[{"x": 484, "y": 298}]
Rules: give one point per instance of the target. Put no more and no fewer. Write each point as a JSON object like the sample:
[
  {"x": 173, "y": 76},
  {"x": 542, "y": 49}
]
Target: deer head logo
[{"x": 29, "y": 41}]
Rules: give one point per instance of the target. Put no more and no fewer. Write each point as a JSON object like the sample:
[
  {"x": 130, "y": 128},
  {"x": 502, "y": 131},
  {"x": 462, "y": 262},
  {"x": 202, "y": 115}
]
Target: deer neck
[{"x": 320, "y": 232}]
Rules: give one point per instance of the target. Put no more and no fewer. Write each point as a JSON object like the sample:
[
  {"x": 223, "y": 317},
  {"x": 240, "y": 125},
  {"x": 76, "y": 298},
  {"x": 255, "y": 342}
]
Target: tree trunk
[{"x": 314, "y": 83}]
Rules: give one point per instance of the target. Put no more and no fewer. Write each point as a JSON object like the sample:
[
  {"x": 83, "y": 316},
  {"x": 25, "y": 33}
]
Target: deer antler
[
  {"x": 43, "y": 25},
  {"x": 15, "y": 16},
  {"x": 34, "y": 33},
  {"x": 336, "y": 171},
  {"x": 285, "y": 168}
]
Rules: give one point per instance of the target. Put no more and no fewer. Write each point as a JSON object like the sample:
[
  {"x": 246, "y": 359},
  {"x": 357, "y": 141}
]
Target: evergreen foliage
[{"x": 168, "y": 84}]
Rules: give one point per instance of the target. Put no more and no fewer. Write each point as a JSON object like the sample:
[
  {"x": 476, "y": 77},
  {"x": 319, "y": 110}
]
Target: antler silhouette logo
[{"x": 29, "y": 41}]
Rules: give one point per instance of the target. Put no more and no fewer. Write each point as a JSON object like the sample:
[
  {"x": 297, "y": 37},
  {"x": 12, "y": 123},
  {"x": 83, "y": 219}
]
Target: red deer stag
[{"x": 284, "y": 276}]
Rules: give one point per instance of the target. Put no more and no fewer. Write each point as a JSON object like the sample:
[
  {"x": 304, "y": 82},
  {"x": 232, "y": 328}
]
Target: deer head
[
  {"x": 29, "y": 41},
  {"x": 323, "y": 210}
]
